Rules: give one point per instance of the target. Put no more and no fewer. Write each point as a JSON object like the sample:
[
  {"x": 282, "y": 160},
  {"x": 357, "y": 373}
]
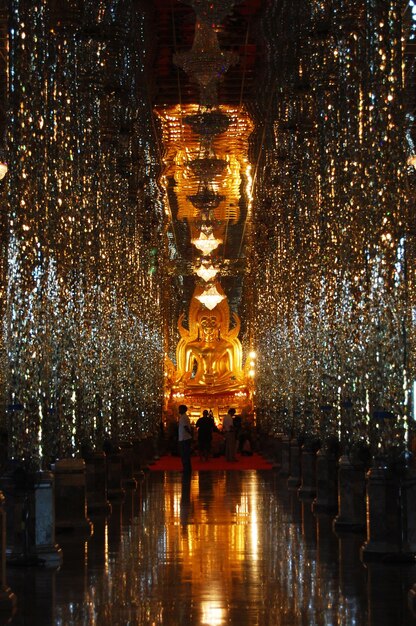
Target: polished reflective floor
[{"x": 221, "y": 549}]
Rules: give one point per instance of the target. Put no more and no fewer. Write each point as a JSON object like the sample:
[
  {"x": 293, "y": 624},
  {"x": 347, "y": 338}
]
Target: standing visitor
[
  {"x": 185, "y": 438},
  {"x": 237, "y": 421},
  {"x": 205, "y": 426},
  {"x": 228, "y": 429}
]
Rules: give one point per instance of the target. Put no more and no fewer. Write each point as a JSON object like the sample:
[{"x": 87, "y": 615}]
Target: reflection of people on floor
[
  {"x": 185, "y": 504},
  {"x": 206, "y": 489},
  {"x": 229, "y": 432},
  {"x": 232, "y": 490}
]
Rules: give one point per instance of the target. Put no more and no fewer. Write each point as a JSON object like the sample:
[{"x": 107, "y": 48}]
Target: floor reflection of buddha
[{"x": 205, "y": 357}]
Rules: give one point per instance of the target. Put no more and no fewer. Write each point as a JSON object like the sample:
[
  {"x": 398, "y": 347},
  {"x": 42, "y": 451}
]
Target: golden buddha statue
[{"x": 209, "y": 354}]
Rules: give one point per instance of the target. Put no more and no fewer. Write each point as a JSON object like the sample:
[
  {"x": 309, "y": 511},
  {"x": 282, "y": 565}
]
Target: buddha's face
[{"x": 209, "y": 325}]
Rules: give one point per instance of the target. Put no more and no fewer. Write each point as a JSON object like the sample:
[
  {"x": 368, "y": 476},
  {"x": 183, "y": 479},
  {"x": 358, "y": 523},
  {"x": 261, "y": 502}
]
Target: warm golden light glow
[
  {"x": 212, "y": 612},
  {"x": 206, "y": 244},
  {"x": 209, "y": 353},
  {"x": 206, "y": 272},
  {"x": 199, "y": 367},
  {"x": 235, "y": 536},
  {"x": 181, "y": 146},
  {"x": 3, "y": 170},
  {"x": 210, "y": 297}
]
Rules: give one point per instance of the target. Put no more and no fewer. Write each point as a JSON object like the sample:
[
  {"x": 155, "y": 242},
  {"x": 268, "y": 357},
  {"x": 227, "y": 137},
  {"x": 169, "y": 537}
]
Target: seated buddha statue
[{"x": 209, "y": 353}]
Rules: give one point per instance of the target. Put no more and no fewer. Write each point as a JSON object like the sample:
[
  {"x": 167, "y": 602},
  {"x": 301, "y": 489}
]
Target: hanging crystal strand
[
  {"x": 147, "y": 347},
  {"x": 323, "y": 282},
  {"x": 409, "y": 247},
  {"x": 4, "y": 236},
  {"x": 80, "y": 269},
  {"x": 272, "y": 251},
  {"x": 28, "y": 218},
  {"x": 349, "y": 57},
  {"x": 385, "y": 303},
  {"x": 61, "y": 130},
  {"x": 81, "y": 244},
  {"x": 267, "y": 327},
  {"x": 212, "y": 13}
]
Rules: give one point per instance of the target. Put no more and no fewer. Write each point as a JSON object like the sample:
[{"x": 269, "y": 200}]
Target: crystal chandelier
[
  {"x": 206, "y": 199},
  {"x": 206, "y": 243},
  {"x": 205, "y": 62},
  {"x": 208, "y": 95},
  {"x": 206, "y": 168},
  {"x": 212, "y": 12},
  {"x": 206, "y": 272},
  {"x": 210, "y": 297}
]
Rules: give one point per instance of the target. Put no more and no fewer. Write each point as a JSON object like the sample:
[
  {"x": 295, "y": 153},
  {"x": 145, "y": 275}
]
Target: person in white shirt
[
  {"x": 185, "y": 438},
  {"x": 229, "y": 432}
]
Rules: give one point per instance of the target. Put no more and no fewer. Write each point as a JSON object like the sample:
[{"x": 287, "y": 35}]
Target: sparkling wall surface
[
  {"x": 83, "y": 342},
  {"x": 333, "y": 313}
]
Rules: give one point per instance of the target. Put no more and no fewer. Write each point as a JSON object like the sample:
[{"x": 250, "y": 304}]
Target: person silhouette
[
  {"x": 229, "y": 432},
  {"x": 205, "y": 426},
  {"x": 185, "y": 438}
]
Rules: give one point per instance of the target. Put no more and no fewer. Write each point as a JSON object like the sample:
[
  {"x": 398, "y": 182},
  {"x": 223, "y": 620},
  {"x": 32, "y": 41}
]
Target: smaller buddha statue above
[{"x": 209, "y": 354}]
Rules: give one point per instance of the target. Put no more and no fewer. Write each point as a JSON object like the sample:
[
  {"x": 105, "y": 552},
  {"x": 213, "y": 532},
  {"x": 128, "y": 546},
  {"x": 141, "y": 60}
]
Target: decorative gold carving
[
  {"x": 182, "y": 146},
  {"x": 209, "y": 353}
]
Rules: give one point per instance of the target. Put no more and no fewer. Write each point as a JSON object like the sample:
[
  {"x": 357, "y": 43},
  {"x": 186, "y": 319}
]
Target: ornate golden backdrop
[
  {"x": 183, "y": 148},
  {"x": 181, "y": 145},
  {"x": 207, "y": 180}
]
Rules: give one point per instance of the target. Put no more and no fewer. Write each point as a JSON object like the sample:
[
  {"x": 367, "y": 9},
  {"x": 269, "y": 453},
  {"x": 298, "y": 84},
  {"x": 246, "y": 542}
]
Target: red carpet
[{"x": 243, "y": 463}]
